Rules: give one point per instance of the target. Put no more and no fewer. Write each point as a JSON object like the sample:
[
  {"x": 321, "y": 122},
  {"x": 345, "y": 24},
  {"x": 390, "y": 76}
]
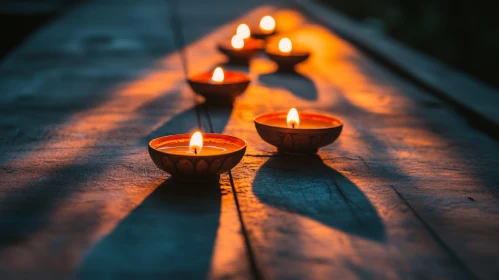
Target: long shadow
[
  {"x": 306, "y": 186},
  {"x": 169, "y": 236},
  {"x": 300, "y": 85}
]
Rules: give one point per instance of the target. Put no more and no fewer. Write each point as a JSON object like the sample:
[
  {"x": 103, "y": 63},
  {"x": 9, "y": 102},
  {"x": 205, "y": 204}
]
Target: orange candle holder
[
  {"x": 226, "y": 90},
  {"x": 285, "y": 55},
  {"x": 315, "y": 131},
  {"x": 243, "y": 55},
  {"x": 219, "y": 154}
]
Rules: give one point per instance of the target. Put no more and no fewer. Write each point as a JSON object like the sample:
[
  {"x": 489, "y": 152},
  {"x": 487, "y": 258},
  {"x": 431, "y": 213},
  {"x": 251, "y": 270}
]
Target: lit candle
[
  {"x": 218, "y": 75},
  {"x": 196, "y": 143},
  {"x": 267, "y": 24},
  {"x": 243, "y": 31},
  {"x": 219, "y": 86},
  {"x": 286, "y": 55},
  {"x": 293, "y": 119},
  {"x": 197, "y": 156},
  {"x": 302, "y": 133},
  {"x": 285, "y": 45},
  {"x": 237, "y": 42}
]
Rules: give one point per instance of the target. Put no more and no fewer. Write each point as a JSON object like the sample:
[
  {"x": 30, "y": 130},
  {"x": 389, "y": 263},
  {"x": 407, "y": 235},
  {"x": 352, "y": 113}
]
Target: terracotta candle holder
[
  {"x": 265, "y": 29},
  {"x": 219, "y": 86},
  {"x": 302, "y": 133},
  {"x": 187, "y": 160},
  {"x": 285, "y": 55},
  {"x": 240, "y": 50}
]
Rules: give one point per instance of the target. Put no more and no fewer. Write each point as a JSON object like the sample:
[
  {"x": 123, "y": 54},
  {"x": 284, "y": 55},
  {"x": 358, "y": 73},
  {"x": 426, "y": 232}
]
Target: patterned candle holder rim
[
  {"x": 241, "y": 144},
  {"x": 335, "y": 122},
  {"x": 231, "y": 78}
]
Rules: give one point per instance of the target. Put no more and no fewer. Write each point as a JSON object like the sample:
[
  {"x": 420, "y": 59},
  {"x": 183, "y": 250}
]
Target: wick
[
  {"x": 293, "y": 125},
  {"x": 195, "y": 151}
]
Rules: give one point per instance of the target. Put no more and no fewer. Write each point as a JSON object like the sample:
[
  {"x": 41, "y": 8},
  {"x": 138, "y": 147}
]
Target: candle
[
  {"x": 286, "y": 55},
  {"x": 197, "y": 156},
  {"x": 237, "y": 42},
  {"x": 218, "y": 75},
  {"x": 265, "y": 29},
  {"x": 294, "y": 132},
  {"x": 240, "y": 50},
  {"x": 219, "y": 85},
  {"x": 243, "y": 31},
  {"x": 267, "y": 24},
  {"x": 285, "y": 45}
]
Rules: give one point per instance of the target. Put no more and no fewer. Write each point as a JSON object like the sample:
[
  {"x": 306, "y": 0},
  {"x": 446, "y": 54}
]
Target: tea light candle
[
  {"x": 286, "y": 55},
  {"x": 301, "y": 133},
  {"x": 266, "y": 28},
  {"x": 194, "y": 157},
  {"x": 219, "y": 85}
]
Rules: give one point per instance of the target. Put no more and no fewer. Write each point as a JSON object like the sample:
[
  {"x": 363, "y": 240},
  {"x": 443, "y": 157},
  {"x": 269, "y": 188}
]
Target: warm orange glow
[
  {"x": 243, "y": 31},
  {"x": 237, "y": 42},
  {"x": 218, "y": 75},
  {"x": 293, "y": 118},
  {"x": 267, "y": 24},
  {"x": 196, "y": 143},
  {"x": 285, "y": 45}
]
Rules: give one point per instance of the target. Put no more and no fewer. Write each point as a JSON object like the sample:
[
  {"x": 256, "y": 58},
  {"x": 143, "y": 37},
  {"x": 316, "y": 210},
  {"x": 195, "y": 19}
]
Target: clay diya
[
  {"x": 285, "y": 55},
  {"x": 265, "y": 29},
  {"x": 219, "y": 86},
  {"x": 239, "y": 50},
  {"x": 197, "y": 157},
  {"x": 302, "y": 133}
]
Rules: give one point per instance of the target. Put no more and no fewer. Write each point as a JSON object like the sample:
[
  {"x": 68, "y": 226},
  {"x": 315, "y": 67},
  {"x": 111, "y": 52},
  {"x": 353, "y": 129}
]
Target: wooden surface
[{"x": 409, "y": 191}]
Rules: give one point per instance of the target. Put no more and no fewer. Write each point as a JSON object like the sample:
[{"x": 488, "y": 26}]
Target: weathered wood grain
[
  {"x": 410, "y": 168},
  {"x": 79, "y": 194}
]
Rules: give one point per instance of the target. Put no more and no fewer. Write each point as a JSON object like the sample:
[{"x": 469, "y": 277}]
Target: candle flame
[
  {"x": 267, "y": 24},
  {"x": 237, "y": 42},
  {"x": 218, "y": 75},
  {"x": 293, "y": 118},
  {"x": 243, "y": 31},
  {"x": 285, "y": 45},
  {"x": 196, "y": 143}
]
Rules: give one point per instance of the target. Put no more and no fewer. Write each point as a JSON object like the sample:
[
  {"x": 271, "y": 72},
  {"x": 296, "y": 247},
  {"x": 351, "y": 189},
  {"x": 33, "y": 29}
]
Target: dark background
[{"x": 463, "y": 34}]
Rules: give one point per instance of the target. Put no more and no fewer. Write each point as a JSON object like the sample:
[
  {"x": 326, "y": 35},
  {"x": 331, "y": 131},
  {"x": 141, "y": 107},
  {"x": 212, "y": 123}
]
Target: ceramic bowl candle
[
  {"x": 239, "y": 50},
  {"x": 198, "y": 156},
  {"x": 286, "y": 55},
  {"x": 265, "y": 29},
  {"x": 219, "y": 86},
  {"x": 302, "y": 133}
]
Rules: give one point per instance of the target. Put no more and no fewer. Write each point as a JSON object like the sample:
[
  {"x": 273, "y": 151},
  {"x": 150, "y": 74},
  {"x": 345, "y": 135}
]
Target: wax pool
[
  {"x": 305, "y": 123},
  {"x": 182, "y": 149}
]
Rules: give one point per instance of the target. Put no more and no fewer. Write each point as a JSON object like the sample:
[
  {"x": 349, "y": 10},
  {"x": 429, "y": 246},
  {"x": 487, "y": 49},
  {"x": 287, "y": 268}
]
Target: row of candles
[{"x": 204, "y": 157}]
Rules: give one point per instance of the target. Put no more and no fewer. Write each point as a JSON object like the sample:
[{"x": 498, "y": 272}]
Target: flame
[
  {"x": 267, "y": 24},
  {"x": 237, "y": 42},
  {"x": 218, "y": 75},
  {"x": 243, "y": 31},
  {"x": 293, "y": 118},
  {"x": 196, "y": 143},
  {"x": 285, "y": 45}
]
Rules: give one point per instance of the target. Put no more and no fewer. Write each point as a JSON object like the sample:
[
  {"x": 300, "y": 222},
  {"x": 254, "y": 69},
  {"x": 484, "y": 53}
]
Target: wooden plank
[
  {"x": 79, "y": 194},
  {"x": 388, "y": 200}
]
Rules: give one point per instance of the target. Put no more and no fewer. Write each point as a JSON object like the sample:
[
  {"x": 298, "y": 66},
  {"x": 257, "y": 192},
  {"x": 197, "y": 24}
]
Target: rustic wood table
[{"x": 409, "y": 191}]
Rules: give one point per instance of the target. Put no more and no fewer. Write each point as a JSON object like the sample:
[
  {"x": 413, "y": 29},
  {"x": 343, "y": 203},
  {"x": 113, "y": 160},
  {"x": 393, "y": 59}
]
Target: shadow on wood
[
  {"x": 292, "y": 81},
  {"x": 170, "y": 235},
  {"x": 306, "y": 186}
]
